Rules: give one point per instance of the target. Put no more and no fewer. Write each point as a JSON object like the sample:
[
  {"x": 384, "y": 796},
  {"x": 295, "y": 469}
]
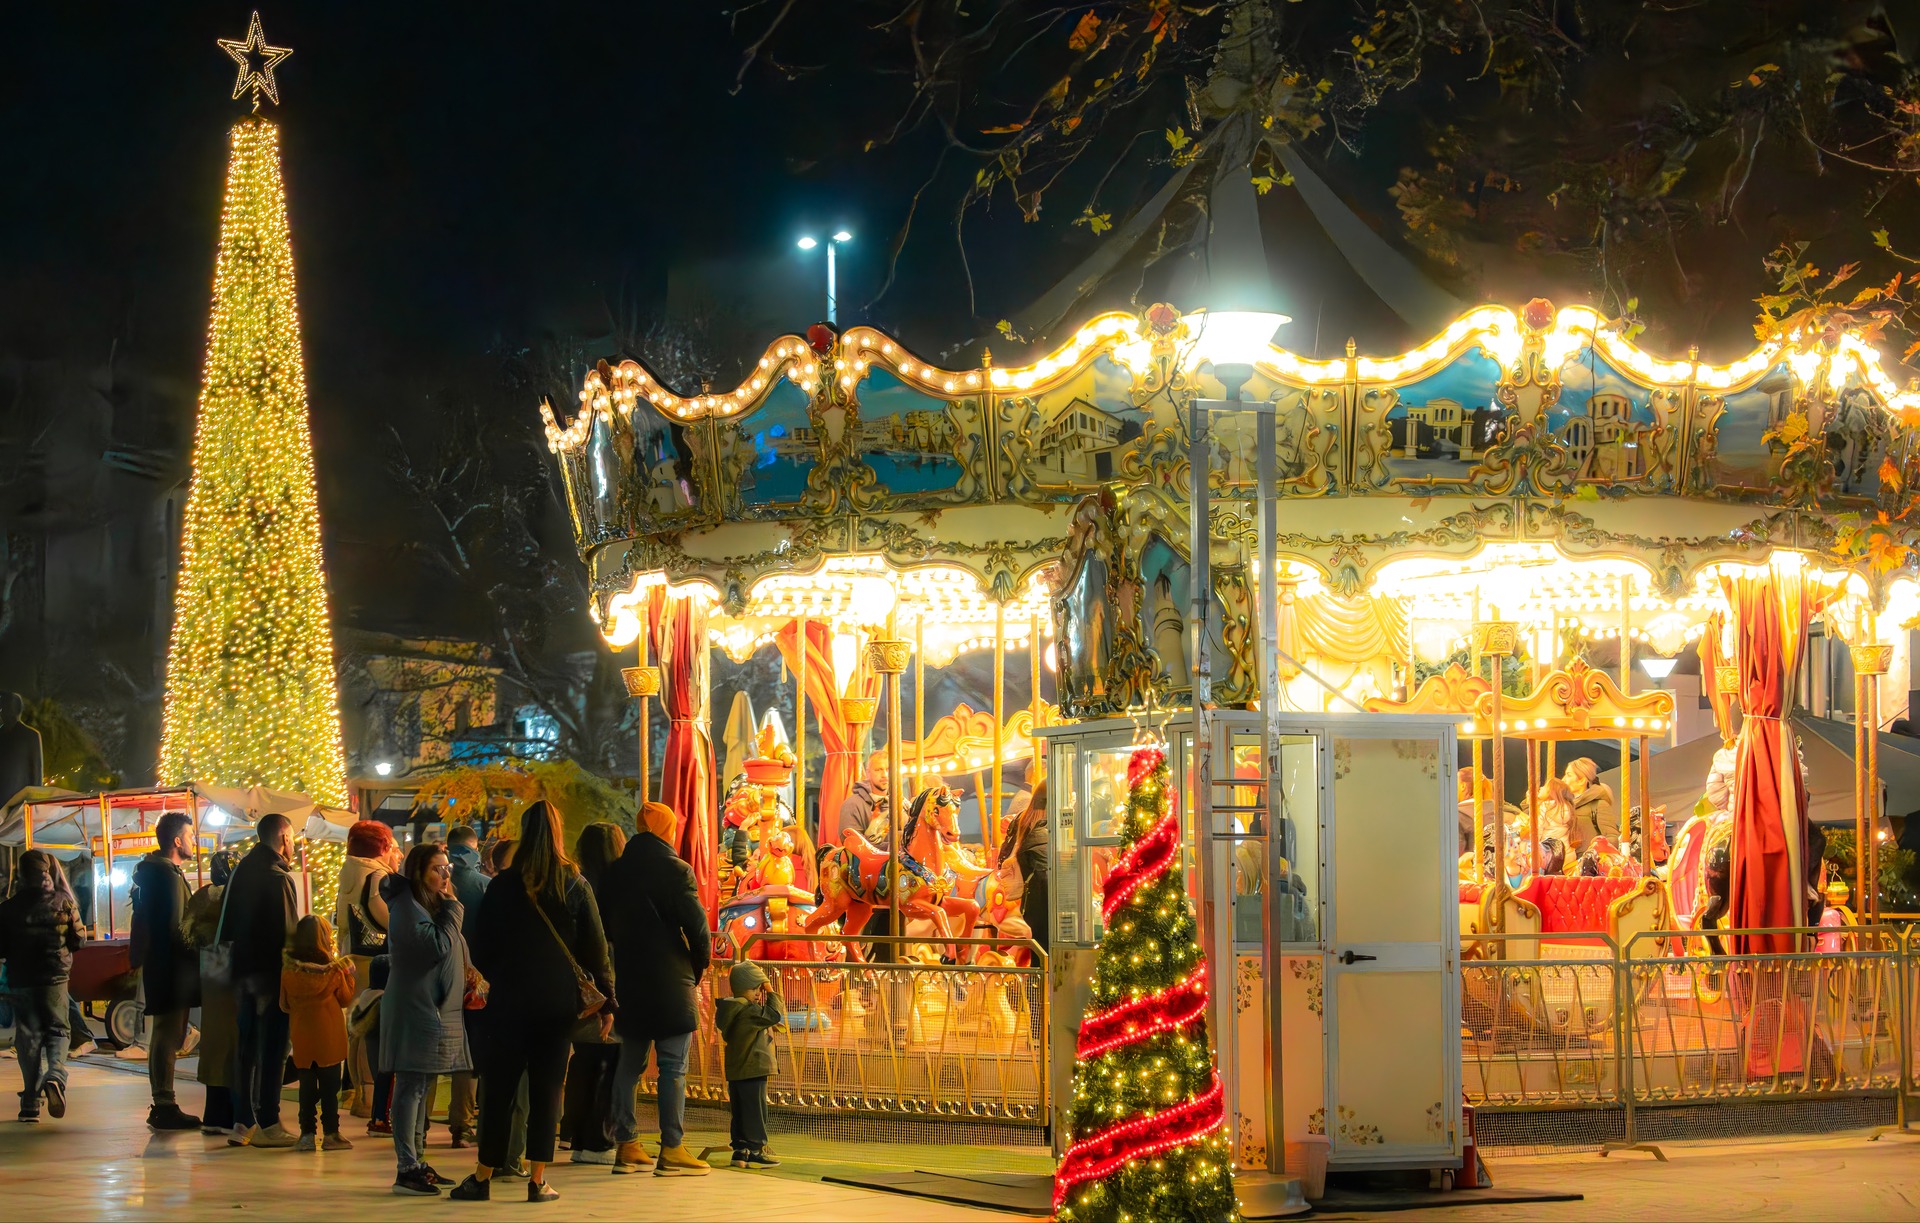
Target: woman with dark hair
[
  {"x": 422, "y": 1032},
  {"x": 538, "y": 927},
  {"x": 39, "y": 932},
  {"x": 219, "y": 1045},
  {"x": 1026, "y": 844},
  {"x": 586, "y": 1120},
  {"x": 360, "y": 921}
]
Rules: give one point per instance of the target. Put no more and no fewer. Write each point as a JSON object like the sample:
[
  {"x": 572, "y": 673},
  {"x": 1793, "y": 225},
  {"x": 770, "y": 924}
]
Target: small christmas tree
[
  {"x": 1149, "y": 1141},
  {"x": 251, "y": 697}
]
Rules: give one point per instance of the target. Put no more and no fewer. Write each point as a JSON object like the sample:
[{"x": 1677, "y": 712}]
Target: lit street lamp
[{"x": 833, "y": 296}]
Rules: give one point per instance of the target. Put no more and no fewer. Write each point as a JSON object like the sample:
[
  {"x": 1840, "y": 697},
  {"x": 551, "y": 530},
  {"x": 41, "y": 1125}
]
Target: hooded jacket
[
  {"x": 160, "y": 947},
  {"x": 39, "y": 932},
  {"x": 312, "y": 995},
  {"x": 661, "y": 944},
  {"x": 745, "y": 1027}
]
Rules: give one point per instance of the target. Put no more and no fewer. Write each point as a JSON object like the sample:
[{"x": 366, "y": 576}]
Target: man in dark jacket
[
  {"x": 661, "y": 947},
  {"x": 262, "y": 909},
  {"x": 469, "y": 885},
  {"x": 169, "y": 965},
  {"x": 856, "y": 810}
]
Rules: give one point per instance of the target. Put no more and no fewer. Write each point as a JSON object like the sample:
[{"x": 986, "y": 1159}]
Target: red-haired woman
[{"x": 360, "y": 918}]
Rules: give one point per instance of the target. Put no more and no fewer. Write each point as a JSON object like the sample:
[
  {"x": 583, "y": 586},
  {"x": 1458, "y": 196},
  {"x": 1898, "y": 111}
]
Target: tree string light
[
  {"x": 251, "y": 696},
  {"x": 1148, "y": 1128}
]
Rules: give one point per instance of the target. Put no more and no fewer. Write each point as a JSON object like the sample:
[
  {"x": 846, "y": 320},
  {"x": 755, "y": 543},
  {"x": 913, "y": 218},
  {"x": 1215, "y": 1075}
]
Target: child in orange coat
[{"x": 315, "y": 987}]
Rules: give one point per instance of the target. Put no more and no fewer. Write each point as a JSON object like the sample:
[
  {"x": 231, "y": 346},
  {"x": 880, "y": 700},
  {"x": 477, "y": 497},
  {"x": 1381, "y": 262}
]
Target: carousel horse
[{"x": 932, "y": 881}]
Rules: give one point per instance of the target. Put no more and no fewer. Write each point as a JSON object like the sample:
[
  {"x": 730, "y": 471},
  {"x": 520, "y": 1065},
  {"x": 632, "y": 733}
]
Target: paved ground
[{"x": 101, "y": 1163}]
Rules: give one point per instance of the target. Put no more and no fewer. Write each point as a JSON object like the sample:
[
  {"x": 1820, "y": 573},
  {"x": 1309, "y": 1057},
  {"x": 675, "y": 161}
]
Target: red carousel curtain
[
  {"x": 841, "y": 767},
  {"x": 686, "y": 766}
]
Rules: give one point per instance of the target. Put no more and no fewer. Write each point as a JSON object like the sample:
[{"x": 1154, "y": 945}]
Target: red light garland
[
  {"x": 1144, "y": 862},
  {"x": 1096, "y": 1157},
  {"x": 1173, "y": 1007}
]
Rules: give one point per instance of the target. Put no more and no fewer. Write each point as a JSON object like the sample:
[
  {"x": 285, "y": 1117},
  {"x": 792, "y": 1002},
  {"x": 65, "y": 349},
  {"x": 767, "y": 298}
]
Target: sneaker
[
  {"x": 415, "y": 1184},
  {"x": 759, "y": 1159},
  {"x": 590, "y": 1157},
  {"x": 433, "y": 1174},
  {"x": 739, "y": 1160},
  {"x": 82, "y": 1049},
  {"x": 27, "y": 1118},
  {"x": 56, "y": 1094},
  {"x": 306, "y": 1143},
  {"x": 473, "y": 1189},
  {"x": 521, "y": 1171},
  {"x": 678, "y": 1161},
  {"x": 382, "y": 1128},
  {"x": 211, "y": 1130},
  {"x": 540, "y": 1191},
  {"x": 240, "y": 1136},
  {"x": 169, "y": 1117},
  {"x": 192, "y": 1041},
  {"x": 131, "y": 1053},
  {"x": 274, "y": 1136},
  {"x": 460, "y": 1138},
  {"x": 631, "y": 1157},
  {"x": 334, "y": 1142}
]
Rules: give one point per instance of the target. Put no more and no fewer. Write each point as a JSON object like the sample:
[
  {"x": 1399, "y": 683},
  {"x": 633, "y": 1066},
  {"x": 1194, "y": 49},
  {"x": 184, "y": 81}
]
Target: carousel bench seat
[{"x": 1570, "y": 912}]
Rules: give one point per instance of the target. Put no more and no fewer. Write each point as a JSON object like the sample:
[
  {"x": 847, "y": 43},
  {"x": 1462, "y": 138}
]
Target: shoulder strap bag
[
  {"x": 367, "y": 937},
  {"x": 589, "y": 997},
  {"x": 216, "y": 961}
]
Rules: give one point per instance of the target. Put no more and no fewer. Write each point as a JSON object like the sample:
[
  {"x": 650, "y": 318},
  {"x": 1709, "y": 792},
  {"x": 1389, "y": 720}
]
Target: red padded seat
[{"x": 1576, "y": 905}]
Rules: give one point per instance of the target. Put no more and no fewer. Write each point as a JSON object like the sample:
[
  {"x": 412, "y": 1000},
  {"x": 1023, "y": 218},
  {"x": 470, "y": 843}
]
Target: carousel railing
[
  {"x": 1627, "y": 1027},
  {"x": 906, "y": 1039}
]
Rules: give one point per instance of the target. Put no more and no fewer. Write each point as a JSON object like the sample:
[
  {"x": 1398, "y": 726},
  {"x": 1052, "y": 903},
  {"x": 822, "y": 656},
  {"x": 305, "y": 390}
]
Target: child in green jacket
[{"x": 746, "y": 1022}]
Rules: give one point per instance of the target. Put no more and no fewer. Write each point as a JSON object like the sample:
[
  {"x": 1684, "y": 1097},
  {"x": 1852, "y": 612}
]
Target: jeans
[
  {"x": 262, "y": 1045},
  {"x": 411, "y": 1095},
  {"x": 747, "y": 1101},
  {"x": 163, "y": 1046},
  {"x": 672, "y": 1094},
  {"x": 320, "y": 1091},
  {"x": 78, "y": 1029},
  {"x": 39, "y": 1040},
  {"x": 461, "y": 1103}
]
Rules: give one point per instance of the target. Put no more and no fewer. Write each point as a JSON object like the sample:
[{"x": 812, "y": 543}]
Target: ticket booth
[{"x": 1341, "y": 1014}]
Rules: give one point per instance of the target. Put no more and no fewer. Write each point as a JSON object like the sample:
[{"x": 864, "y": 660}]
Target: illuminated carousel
[{"x": 1503, "y": 537}]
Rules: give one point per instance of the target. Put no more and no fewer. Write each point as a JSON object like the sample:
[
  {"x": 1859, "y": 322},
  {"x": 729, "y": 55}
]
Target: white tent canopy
[{"x": 63, "y": 822}]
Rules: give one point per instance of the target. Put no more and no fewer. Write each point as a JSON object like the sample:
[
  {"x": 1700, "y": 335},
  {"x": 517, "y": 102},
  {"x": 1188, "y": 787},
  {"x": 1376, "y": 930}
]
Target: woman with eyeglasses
[{"x": 422, "y": 1032}]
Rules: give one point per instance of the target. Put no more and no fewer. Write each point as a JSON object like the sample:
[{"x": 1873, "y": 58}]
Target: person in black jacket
[
  {"x": 661, "y": 946},
  {"x": 39, "y": 932},
  {"x": 586, "y": 1120},
  {"x": 260, "y": 912},
  {"x": 169, "y": 965},
  {"x": 537, "y": 922}
]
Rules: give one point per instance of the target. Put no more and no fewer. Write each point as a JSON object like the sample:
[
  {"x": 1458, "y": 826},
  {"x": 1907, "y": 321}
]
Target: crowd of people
[{"x": 495, "y": 971}]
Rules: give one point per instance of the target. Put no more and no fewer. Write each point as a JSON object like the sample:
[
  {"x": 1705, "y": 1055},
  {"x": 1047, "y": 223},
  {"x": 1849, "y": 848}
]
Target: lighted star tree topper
[
  {"x": 1148, "y": 1139},
  {"x": 251, "y": 696}
]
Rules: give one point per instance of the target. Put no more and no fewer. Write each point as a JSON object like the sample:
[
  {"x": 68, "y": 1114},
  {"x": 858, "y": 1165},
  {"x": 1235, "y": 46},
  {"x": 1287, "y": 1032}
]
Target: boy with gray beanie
[{"x": 747, "y": 1021}]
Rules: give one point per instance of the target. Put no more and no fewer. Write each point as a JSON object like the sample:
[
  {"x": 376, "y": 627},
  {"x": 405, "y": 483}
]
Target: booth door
[{"x": 1392, "y": 1009}]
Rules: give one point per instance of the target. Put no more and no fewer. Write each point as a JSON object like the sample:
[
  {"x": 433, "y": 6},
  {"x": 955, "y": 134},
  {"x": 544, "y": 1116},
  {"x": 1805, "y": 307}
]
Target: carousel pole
[
  {"x": 1860, "y": 774},
  {"x": 1496, "y": 639},
  {"x": 800, "y": 733},
  {"x": 646, "y": 721},
  {"x": 898, "y": 815},
  {"x": 999, "y": 709},
  {"x": 1533, "y": 807},
  {"x": 919, "y": 703},
  {"x": 1870, "y": 662},
  {"x": 1626, "y": 689},
  {"x": 1646, "y": 809},
  {"x": 1033, "y": 679}
]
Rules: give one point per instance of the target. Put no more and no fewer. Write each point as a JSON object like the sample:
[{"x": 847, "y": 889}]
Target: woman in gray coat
[{"x": 422, "y": 1032}]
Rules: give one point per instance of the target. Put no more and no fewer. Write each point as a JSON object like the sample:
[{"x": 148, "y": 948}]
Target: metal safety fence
[
  {"x": 905, "y": 1038},
  {"x": 1594, "y": 1025}
]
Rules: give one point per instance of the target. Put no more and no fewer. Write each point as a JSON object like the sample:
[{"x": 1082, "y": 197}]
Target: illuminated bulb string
[
  {"x": 1149, "y": 1111},
  {"x": 251, "y": 696}
]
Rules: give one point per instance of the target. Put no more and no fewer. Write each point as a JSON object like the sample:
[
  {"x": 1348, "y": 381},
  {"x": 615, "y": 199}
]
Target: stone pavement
[{"x": 101, "y": 1163}]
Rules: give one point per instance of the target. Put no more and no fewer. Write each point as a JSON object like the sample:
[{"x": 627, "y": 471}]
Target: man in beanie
[
  {"x": 746, "y": 1022},
  {"x": 660, "y": 948}
]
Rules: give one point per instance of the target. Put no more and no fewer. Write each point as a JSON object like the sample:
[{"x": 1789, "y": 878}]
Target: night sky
[{"x": 461, "y": 178}]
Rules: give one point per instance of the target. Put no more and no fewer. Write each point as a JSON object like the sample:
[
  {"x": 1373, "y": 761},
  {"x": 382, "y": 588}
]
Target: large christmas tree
[
  {"x": 1149, "y": 1141},
  {"x": 251, "y": 696}
]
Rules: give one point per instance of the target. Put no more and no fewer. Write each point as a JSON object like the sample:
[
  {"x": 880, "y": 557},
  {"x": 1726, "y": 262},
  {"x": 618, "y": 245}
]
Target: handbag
[
  {"x": 216, "y": 961},
  {"x": 366, "y": 937},
  {"x": 588, "y": 996}
]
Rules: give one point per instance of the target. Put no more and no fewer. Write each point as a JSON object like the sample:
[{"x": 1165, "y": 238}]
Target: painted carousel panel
[
  {"x": 1615, "y": 430},
  {"x": 1074, "y": 437},
  {"x": 767, "y": 455},
  {"x": 1431, "y": 433},
  {"x": 920, "y": 447}
]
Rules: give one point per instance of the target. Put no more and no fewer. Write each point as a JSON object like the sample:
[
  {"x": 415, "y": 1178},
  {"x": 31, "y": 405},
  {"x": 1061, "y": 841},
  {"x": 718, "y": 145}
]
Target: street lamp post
[{"x": 833, "y": 297}]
